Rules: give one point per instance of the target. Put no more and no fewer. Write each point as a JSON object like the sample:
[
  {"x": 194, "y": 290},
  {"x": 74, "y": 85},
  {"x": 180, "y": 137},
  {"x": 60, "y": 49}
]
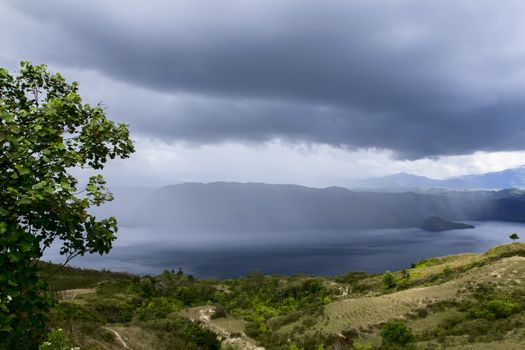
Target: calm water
[{"x": 318, "y": 252}]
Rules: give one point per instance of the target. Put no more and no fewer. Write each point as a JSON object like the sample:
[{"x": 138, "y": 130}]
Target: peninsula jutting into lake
[{"x": 436, "y": 223}]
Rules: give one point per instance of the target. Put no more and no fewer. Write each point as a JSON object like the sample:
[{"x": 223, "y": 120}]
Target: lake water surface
[{"x": 224, "y": 254}]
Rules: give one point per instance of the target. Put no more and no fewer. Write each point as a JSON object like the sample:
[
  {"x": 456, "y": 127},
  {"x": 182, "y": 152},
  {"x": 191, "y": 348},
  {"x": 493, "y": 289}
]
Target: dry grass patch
[
  {"x": 364, "y": 312},
  {"x": 137, "y": 338},
  {"x": 229, "y": 329}
]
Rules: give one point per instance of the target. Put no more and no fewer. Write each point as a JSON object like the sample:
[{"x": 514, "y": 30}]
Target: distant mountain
[
  {"x": 510, "y": 178},
  {"x": 406, "y": 180},
  {"x": 251, "y": 206},
  {"x": 128, "y": 199}
]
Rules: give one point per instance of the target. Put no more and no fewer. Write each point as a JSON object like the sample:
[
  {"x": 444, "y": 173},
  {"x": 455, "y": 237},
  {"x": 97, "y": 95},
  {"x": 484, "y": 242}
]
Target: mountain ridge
[
  {"x": 230, "y": 205},
  {"x": 508, "y": 178}
]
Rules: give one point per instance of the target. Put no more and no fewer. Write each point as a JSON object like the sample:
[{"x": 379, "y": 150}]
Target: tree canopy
[{"x": 45, "y": 132}]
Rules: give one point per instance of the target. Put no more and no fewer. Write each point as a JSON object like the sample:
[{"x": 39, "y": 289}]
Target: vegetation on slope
[{"x": 447, "y": 302}]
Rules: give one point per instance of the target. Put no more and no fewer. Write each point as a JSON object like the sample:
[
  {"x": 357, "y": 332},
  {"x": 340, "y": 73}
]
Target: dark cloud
[{"x": 419, "y": 78}]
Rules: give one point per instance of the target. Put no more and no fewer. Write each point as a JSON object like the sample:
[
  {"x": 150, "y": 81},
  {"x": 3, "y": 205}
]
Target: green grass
[{"x": 62, "y": 278}]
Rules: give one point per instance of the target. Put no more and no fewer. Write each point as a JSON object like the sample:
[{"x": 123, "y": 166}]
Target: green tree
[
  {"x": 389, "y": 280},
  {"x": 396, "y": 334},
  {"x": 45, "y": 132},
  {"x": 514, "y": 236}
]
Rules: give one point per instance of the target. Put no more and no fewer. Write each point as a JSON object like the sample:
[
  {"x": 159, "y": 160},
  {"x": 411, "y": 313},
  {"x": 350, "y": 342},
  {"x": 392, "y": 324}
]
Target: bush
[
  {"x": 389, "y": 280},
  {"x": 352, "y": 277},
  {"x": 252, "y": 330},
  {"x": 184, "y": 334},
  {"x": 396, "y": 333},
  {"x": 57, "y": 340},
  {"x": 447, "y": 272},
  {"x": 219, "y": 312},
  {"x": 112, "y": 310},
  {"x": 492, "y": 309},
  {"x": 502, "y": 308}
]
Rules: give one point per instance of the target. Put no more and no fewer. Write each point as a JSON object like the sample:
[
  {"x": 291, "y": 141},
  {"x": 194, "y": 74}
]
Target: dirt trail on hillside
[
  {"x": 70, "y": 294},
  {"x": 242, "y": 341},
  {"x": 117, "y": 337}
]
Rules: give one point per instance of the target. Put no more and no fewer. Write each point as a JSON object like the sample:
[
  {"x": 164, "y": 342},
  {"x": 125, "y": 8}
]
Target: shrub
[
  {"x": 491, "y": 307},
  {"x": 352, "y": 277},
  {"x": 252, "y": 329},
  {"x": 396, "y": 333},
  {"x": 447, "y": 272},
  {"x": 184, "y": 334},
  {"x": 389, "y": 280},
  {"x": 57, "y": 340},
  {"x": 502, "y": 308},
  {"x": 219, "y": 312}
]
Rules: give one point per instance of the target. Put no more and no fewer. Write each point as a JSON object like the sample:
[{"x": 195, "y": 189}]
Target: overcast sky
[{"x": 311, "y": 92}]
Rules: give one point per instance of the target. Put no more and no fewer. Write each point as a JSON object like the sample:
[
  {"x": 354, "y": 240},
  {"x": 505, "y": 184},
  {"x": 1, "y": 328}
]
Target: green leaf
[
  {"x": 8, "y": 118},
  {"x": 4, "y": 307}
]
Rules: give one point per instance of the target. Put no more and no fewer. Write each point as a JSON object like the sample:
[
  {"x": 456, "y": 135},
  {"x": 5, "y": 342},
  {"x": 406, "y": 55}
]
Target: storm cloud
[{"x": 421, "y": 79}]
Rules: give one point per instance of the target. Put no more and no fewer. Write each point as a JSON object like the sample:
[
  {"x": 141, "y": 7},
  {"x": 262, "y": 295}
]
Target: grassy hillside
[{"x": 467, "y": 301}]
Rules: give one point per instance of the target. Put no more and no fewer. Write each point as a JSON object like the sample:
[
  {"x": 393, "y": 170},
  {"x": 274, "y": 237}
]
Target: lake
[{"x": 330, "y": 252}]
